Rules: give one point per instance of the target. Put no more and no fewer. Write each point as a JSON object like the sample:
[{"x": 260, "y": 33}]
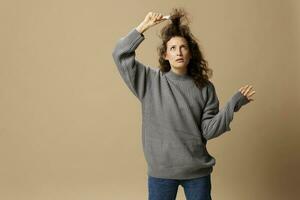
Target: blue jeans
[{"x": 166, "y": 189}]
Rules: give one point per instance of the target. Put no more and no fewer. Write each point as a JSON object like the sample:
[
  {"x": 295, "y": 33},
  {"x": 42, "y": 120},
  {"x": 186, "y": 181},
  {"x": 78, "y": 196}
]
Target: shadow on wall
[{"x": 278, "y": 139}]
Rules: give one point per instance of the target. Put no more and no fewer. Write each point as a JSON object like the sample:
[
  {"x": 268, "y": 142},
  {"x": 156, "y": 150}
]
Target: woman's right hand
[{"x": 150, "y": 20}]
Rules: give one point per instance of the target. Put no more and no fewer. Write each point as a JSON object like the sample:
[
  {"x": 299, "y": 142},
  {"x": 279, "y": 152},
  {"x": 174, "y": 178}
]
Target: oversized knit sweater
[{"x": 177, "y": 117}]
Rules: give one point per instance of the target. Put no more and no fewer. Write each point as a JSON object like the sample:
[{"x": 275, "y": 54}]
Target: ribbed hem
[{"x": 179, "y": 173}]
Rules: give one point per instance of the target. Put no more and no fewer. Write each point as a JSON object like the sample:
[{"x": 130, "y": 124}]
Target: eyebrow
[{"x": 180, "y": 45}]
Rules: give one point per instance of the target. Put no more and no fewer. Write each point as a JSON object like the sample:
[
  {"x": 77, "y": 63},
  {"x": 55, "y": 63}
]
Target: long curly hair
[{"x": 198, "y": 66}]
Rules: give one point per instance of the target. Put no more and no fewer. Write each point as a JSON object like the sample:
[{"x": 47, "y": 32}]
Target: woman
[{"x": 180, "y": 108}]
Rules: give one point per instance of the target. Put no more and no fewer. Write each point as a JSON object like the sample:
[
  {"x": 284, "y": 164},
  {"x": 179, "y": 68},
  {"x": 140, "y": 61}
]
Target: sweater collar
[{"x": 173, "y": 75}]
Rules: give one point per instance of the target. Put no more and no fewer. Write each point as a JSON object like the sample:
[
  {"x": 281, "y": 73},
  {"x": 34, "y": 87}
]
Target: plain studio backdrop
[{"x": 70, "y": 129}]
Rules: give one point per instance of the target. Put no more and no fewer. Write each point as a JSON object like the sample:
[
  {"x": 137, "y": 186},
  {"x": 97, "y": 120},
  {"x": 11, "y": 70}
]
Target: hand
[
  {"x": 247, "y": 91},
  {"x": 150, "y": 20}
]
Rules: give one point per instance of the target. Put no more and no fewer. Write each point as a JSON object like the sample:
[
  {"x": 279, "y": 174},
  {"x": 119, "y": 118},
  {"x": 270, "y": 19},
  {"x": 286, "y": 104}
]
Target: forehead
[{"x": 177, "y": 40}]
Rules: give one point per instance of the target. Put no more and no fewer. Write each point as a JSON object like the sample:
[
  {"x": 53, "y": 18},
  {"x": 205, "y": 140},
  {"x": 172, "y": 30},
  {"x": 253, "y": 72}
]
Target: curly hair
[{"x": 198, "y": 66}]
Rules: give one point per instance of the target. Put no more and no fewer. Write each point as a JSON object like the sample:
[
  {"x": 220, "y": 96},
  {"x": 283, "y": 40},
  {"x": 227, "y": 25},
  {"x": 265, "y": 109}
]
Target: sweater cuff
[
  {"x": 136, "y": 33},
  {"x": 239, "y": 100},
  {"x": 133, "y": 39}
]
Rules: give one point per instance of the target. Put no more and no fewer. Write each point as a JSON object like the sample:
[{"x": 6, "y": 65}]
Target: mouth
[{"x": 179, "y": 60}]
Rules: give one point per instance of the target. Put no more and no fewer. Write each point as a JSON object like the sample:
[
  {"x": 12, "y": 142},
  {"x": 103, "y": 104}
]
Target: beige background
[{"x": 71, "y": 129}]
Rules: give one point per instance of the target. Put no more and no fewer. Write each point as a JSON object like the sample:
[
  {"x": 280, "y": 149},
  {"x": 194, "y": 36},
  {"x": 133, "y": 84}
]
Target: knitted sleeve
[
  {"x": 134, "y": 73},
  {"x": 214, "y": 121}
]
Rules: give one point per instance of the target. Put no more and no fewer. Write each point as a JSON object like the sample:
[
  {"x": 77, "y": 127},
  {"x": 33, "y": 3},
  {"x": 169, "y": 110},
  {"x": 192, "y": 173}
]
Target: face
[{"x": 178, "y": 53}]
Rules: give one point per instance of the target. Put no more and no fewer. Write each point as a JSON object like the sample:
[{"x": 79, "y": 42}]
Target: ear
[{"x": 165, "y": 57}]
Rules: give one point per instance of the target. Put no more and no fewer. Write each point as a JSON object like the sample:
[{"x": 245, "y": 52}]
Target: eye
[{"x": 172, "y": 47}]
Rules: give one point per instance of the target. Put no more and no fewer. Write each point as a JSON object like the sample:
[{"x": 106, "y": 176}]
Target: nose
[{"x": 179, "y": 52}]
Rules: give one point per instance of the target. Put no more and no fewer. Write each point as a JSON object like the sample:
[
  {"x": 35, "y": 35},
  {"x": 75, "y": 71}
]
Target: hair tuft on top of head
[
  {"x": 178, "y": 26},
  {"x": 177, "y": 16}
]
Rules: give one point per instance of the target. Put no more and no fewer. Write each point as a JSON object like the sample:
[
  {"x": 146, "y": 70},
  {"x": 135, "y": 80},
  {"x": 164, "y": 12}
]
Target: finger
[
  {"x": 248, "y": 89},
  {"x": 243, "y": 89},
  {"x": 150, "y": 14},
  {"x": 155, "y": 17},
  {"x": 159, "y": 16},
  {"x": 159, "y": 19},
  {"x": 252, "y": 93}
]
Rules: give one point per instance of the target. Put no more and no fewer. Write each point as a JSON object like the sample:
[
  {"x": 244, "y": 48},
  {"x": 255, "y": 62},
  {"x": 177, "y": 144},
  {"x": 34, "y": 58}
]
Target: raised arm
[{"x": 135, "y": 74}]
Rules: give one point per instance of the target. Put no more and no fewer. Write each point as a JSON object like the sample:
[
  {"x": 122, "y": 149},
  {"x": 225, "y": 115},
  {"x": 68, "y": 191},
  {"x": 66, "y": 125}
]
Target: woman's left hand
[{"x": 247, "y": 91}]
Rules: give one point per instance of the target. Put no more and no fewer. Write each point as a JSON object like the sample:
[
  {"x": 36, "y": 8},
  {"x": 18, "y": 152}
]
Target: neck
[
  {"x": 179, "y": 71},
  {"x": 173, "y": 74}
]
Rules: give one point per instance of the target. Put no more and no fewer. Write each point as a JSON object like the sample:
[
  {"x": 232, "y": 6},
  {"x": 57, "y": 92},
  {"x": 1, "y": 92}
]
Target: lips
[{"x": 179, "y": 60}]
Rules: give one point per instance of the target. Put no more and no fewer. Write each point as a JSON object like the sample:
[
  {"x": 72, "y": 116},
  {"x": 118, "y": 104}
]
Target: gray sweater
[{"x": 177, "y": 117}]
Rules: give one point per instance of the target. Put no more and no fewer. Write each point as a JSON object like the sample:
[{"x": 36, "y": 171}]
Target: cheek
[{"x": 172, "y": 56}]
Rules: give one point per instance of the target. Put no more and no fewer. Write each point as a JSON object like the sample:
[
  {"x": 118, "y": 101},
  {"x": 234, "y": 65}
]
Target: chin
[{"x": 180, "y": 66}]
